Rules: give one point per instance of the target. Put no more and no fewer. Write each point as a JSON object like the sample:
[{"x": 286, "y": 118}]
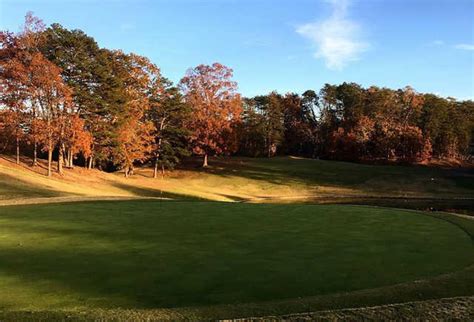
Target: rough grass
[
  {"x": 245, "y": 179},
  {"x": 237, "y": 179},
  {"x": 207, "y": 259},
  {"x": 11, "y": 187}
]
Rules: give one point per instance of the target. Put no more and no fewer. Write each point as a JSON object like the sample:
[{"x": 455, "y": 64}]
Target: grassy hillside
[
  {"x": 12, "y": 187},
  {"x": 236, "y": 179}
]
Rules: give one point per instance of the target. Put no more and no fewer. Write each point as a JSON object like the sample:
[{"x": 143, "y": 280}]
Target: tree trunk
[
  {"x": 90, "y": 163},
  {"x": 204, "y": 164},
  {"x": 17, "y": 150},
  {"x": 60, "y": 160},
  {"x": 155, "y": 171},
  {"x": 35, "y": 153},
  {"x": 65, "y": 155},
  {"x": 126, "y": 172},
  {"x": 50, "y": 157},
  {"x": 158, "y": 148},
  {"x": 162, "y": 171},
  {"x": 70, "y": 160},
  {"x": 50, "y": 146}
]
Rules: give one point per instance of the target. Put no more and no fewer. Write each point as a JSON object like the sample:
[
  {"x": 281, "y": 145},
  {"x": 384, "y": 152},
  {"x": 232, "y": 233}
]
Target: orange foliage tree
[
  {"x": 33, "y": 90},
  {"x": 77, "y": 139},
  {"x": 52, "y": 99},
  {"x": 17, "y": 53},
  {"x": 216, "y": 108},
  {"x": 142, "y": 81},
  {"x": 14, "y": 87}
]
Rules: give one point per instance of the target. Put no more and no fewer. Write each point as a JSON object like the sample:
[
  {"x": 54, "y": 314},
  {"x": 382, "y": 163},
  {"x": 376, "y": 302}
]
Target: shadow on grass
[
  {"x": 156, "y": 193},
  {"x": 12, "y": 187},
  {"x": 233, "y": 198},
  {"x": 460, "y": 206},
  {"x": 27, "y": 164},
  {"x": 416, "y": 179},
  {"x": 115, "y": 257},
  {"x": 284, "y": 170}
]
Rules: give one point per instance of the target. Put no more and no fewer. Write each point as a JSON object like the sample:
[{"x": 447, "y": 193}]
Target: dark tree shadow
[
  {"x": 113, "y": 256},
  {"x": 157, "y": 193},
  {"x": 362, "y": 177},
  {"x": 26, "y": 163},
  {"x": 12, "y": 187}
]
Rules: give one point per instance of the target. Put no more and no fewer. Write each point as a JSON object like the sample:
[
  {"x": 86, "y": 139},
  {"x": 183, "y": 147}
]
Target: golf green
[{"x": 164, "y": 254}]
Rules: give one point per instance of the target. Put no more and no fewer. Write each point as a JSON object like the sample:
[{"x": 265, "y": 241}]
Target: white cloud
[
  {"x": 437, "y": 43},
  {"x": 337, "y": 39},
  {"x": 465, "y": 46}
]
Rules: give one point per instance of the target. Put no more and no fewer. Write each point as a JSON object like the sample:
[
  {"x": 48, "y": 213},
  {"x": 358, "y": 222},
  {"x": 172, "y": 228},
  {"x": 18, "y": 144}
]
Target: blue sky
[{"x": 284, "y": 45}]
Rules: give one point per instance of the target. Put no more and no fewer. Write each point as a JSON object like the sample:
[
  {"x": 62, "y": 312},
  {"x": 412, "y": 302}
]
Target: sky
[{"x": 288, "y": 46}]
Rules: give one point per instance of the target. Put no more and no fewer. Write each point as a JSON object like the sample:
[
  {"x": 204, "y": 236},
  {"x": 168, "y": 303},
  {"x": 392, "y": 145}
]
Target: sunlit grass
[
  {"x": 235, "y": 179},
  {"x": 158, "y": 254}
]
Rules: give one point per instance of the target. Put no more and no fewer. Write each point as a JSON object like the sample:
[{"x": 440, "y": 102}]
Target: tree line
[
  {"x": 63, "y": 97},
  {"x": 349, "y": 122}
]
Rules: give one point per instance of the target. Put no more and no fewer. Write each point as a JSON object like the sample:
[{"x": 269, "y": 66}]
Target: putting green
[{"x": 152, "y": 254}]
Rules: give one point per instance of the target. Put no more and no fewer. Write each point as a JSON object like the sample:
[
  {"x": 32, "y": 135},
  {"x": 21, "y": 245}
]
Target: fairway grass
[{"x": 174, "y": 255}]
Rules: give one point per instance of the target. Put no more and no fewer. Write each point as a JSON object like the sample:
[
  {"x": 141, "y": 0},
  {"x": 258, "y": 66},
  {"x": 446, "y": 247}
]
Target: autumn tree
[
  {"x": 53, "y": 100},
  {"x": 31, "y": 83},
  {"x": 311, "y": 112},
  {"x": 133, "y": 143},
  {"x": 139, "y": 81},
  {"x": 35, "y": 134},
  {"x": 169, "y": 115},
  {"x": 216, "y": 106},
  {"x": 76, "y": 139},
  {"x": 270, "y": 107},
  {"x": 372, "y": 124},
  {"x": 86, "y": 69},
  {"x": 411, "y": 105},
  {"x": 3, "y": 132},
  {"x": 448, "y": 124},
  {"x": 14, "y": 84},
  {"x": 462, "y": 116},
  {"x": 252, "y": 135},
  {"x": 60, "y": 92},
  {"x": 34, "y": 90},
  {"x": 7, "y": 130},
  {"x": 300, "y": 124}
]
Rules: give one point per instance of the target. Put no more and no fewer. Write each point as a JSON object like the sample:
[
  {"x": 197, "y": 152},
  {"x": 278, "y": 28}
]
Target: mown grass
[{"x": 216, "y": 257}]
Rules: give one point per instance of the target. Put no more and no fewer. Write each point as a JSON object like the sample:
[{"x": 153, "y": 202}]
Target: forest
[{"x": 65, "y": 99}]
